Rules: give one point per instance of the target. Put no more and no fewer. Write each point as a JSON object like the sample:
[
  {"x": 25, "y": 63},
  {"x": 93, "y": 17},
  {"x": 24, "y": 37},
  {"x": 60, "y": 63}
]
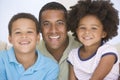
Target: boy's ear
[
  {"x": 10, "y": 39},
  {"x": 38, "y": 38}
]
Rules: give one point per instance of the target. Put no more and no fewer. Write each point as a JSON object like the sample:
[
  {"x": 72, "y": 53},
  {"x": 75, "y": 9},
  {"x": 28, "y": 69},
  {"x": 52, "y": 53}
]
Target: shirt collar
[
  {"x": 11, "y": 56},
  {"x": 12, "y": 59}
]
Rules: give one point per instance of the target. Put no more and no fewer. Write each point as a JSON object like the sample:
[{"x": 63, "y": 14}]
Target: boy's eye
[
  {"x": 30, "y": 31},
  {"x": 17, "y": 32}
]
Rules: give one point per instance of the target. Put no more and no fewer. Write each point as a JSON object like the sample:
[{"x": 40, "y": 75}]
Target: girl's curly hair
[{"x": 102, "y": 9}]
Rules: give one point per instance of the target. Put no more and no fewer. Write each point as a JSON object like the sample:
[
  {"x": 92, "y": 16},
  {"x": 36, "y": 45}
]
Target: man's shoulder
[
  {"x": 73, "y": 42},
  {"x": 40, "y": 44}
]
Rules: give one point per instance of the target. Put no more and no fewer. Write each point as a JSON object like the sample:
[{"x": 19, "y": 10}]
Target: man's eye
[
  {"x": 60, "y": 23},
  {"x": 46, "y": 24}
]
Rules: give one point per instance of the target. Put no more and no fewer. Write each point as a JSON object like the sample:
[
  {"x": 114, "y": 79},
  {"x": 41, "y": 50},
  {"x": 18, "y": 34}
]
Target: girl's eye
[
  {"x": 81, "y": 27},
  {"x": 94, "y": 28}
]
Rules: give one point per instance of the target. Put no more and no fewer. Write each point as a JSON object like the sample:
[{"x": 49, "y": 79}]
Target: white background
[{"x": 10, "y": 7}]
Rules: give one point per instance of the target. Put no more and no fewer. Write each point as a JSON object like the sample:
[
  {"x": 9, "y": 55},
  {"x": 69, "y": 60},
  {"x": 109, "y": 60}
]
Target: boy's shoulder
[
  {"x": 45, "y": 59},
  {"x": 6, "y": 52}
]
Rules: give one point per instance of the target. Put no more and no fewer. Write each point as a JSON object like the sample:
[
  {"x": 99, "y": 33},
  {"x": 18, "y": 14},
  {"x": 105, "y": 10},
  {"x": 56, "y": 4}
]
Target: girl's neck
[
  {"x": 87, "y": 51},
  {"x": 92, "y": 48}
]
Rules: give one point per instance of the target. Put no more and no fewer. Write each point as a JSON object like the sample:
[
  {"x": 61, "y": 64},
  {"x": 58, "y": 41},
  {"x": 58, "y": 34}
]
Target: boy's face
[
  {"x": 54, "y": 29},
  {"x": 24, "y": 36}
]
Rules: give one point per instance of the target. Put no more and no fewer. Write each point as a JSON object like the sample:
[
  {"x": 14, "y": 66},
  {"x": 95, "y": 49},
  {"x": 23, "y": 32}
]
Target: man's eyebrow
[
  {"x": 61, "y": 20},
  {"x": 44, "y": 21}
]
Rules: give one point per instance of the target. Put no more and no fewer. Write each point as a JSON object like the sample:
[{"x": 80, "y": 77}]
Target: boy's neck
[{"x": 26, "y": 60}]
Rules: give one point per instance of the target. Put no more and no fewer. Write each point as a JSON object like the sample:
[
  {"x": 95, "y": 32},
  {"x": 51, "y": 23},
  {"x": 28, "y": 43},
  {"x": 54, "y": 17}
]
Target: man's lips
[{"x": 54, "y": 37}]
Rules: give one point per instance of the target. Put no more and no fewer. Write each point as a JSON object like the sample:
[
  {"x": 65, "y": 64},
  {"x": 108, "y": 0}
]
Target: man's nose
[{"x": 54, "y": 28}]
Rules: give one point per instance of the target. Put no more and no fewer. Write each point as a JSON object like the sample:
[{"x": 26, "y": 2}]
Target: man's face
[{"x": 54, "y": 29}]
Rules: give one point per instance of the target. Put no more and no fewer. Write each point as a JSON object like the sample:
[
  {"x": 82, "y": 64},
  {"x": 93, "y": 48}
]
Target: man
[{"x": 56, "y": 42}]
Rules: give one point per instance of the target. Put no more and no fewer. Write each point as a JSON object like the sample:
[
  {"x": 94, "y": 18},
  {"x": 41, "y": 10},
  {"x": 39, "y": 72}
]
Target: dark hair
[
  {"x": 23, "y": 15},
  {"x": 53, "y": 6},
  {"x": 102, "y": 9}
]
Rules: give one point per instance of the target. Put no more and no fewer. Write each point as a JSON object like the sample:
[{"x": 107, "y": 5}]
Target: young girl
[{"x": 93, "y": 23}]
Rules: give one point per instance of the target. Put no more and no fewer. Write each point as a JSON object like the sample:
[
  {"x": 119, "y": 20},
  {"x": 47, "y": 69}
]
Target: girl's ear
[{"x": 104, "y": 34}]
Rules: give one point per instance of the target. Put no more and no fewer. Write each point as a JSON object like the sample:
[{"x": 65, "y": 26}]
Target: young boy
[{"x": 23, "y": 61}]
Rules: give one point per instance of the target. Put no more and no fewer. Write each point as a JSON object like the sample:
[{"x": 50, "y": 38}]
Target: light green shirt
[{"x": 63, "y": 64}]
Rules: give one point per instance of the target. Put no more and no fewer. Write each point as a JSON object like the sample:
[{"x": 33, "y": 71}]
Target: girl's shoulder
[{"x": 107, "y": 47}]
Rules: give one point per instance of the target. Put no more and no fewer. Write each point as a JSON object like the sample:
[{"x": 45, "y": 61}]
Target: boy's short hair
[{"x": 23, "y": 15}]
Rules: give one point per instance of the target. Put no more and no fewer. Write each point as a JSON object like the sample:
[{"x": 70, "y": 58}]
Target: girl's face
[{"x": 90, "y": 30}]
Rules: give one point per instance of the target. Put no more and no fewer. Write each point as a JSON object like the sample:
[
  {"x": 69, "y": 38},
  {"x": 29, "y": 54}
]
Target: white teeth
[
  {"x": 23, "y": 43},
  {"x": 54, "y": 37},
  {"x": 87, "y": 38}
]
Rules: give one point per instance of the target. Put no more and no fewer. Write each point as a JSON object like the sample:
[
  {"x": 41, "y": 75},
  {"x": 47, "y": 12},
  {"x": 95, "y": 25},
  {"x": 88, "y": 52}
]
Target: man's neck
[{"x": 58, "y": 53}]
